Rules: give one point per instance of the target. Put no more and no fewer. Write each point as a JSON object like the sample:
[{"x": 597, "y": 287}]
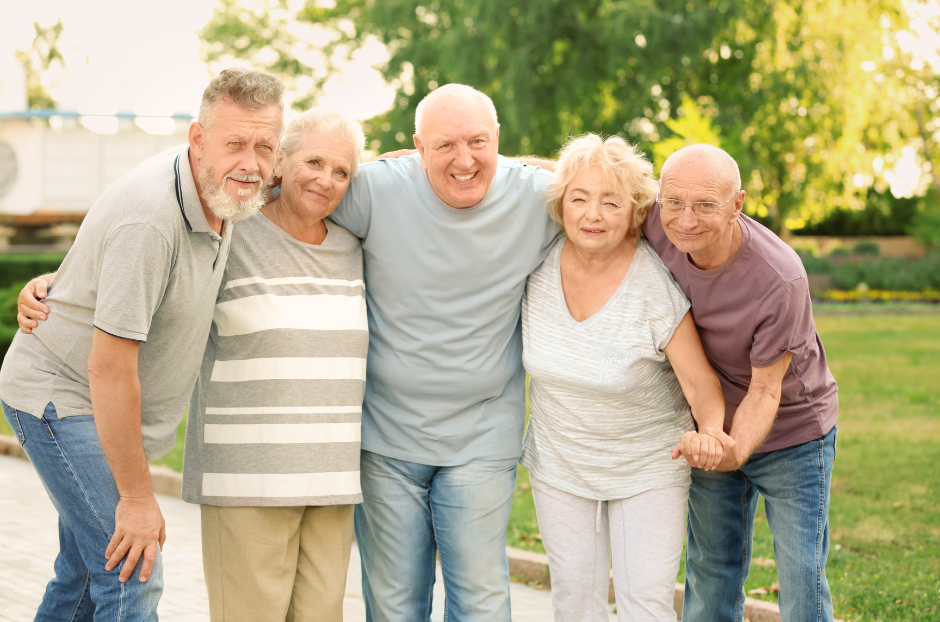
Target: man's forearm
[
  {"x": 753, "y": 420},
  {"x": 115, "y": 399}
]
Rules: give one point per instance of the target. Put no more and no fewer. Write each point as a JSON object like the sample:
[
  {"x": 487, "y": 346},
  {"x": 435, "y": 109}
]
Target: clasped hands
[{"x": 711, "y": 450}]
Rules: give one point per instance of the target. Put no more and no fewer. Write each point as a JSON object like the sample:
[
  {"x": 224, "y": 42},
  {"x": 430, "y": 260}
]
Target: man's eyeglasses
[{"x": 699, "y": 208}]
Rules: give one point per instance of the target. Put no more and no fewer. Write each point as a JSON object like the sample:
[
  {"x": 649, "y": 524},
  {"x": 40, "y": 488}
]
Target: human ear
[
  {"x": 420, "y": 147},
  {"x": 197, "y": 137}
]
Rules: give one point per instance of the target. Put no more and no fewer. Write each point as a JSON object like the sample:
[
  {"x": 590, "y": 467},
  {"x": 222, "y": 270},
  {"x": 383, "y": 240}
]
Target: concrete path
[{"x": 29, "y": 543}]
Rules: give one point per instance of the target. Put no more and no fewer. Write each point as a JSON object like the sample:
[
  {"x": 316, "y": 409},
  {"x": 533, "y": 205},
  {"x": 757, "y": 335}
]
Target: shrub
[
  {"x": 20, "y": 268},
  {"x": 926, "y": 228},
  {"x": 8, "y": 326},
  {"x": 888, "y": 273},
  {"x": 881, "y": 273},
  {"x": 866, "y": 248}
]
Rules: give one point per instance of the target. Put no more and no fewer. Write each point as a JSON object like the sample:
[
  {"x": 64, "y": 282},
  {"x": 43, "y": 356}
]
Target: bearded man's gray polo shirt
[{"x": 145, "y": 266}]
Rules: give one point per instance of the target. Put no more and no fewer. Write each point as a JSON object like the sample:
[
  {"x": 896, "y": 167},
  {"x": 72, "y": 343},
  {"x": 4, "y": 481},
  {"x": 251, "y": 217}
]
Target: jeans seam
[
  {"x": 19, "y": 427},
  {"x": 437, "y": 550},
  {"x": 747, "y": 541},
  {"x": 819, "y": 526},
  {"x": 82, "y": 598},
  {"x": 77, "y": 480}
]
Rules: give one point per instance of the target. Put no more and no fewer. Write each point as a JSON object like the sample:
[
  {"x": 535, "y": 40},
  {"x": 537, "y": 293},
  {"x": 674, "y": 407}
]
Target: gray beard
[{"x": 221, "y": 204}]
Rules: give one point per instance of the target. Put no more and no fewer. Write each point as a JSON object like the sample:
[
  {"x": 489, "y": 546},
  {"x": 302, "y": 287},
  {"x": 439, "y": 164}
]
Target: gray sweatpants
[{"x": 645, "y": 533}]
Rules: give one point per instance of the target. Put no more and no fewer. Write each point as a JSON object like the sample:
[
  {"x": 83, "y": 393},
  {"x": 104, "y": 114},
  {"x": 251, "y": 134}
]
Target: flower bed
[{"x": 863, "y": 294}]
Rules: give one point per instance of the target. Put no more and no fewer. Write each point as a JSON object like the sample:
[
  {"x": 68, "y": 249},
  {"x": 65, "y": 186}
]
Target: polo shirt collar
[{"x": 187, "y": 196}]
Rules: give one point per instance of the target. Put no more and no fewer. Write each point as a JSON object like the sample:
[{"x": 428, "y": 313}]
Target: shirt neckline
[
  {"x": 610, "y": 301},
  {"x": 326, "y": 243},
  {"x": 188, "y": 197}
]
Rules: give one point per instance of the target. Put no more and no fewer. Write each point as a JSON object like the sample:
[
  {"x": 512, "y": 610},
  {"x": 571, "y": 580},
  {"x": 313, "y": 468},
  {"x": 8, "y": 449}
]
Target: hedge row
[
  {"x": 15, "y": 272},
  {"x": 881, "y": 273},
  {"x": 20, "y": 268},
  {"x": 8, "y": 325}
]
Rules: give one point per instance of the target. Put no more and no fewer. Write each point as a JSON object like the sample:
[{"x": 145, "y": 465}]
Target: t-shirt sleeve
[
  {"x": 354, "y": 212},
  {"x": 135, "y": 269},
  {"x": 783, "y": 317},
  {"x": 542, "y": 222},
  {"x": 671, "y": 307},
  {"x": 653, "y": 230}
]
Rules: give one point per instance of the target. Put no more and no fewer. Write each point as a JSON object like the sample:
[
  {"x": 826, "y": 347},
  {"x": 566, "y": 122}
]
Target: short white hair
[
  {"x": 324, "y": 120},
  {"x": 451, "y": 88}
]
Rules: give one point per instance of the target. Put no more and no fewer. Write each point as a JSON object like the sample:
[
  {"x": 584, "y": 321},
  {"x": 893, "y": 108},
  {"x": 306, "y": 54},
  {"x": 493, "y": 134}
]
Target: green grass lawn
[{"x": 884, "y": 562}]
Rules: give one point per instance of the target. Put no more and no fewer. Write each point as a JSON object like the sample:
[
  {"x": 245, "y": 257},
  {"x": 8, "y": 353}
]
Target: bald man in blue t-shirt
[{"x": 449, "y": 236}]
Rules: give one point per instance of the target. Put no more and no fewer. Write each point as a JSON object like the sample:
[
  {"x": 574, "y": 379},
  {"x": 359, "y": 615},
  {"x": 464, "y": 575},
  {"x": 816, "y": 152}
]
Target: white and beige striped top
[
  {"x": 607, "y": 407},
  {"x": 275, "y": 417}
]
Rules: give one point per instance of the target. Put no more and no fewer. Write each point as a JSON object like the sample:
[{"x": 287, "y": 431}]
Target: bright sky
[
  {"x": 145, "y": 56},
  {"x": 151, "y": 48}
]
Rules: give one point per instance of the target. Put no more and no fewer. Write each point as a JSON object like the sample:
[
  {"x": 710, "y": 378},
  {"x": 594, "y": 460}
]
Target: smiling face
[
  {"x": 595, "y": 219},
  {"x": 458, "y": 143},
  {"x": 315, "y": 177},
  {"x": 235, "y": 157},
  {"x": 698, "y": 175}
]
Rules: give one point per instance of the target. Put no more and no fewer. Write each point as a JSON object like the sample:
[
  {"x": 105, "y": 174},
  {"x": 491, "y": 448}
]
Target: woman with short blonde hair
[
  {"x": 625, "y": 170},
  {"x": 615, "y": 363}
]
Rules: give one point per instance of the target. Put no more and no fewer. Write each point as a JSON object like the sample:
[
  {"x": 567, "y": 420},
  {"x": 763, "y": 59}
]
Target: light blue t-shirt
[{"x": 444, "y": 380}]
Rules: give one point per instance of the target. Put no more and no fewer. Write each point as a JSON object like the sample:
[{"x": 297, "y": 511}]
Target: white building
[{"x": 64, "y": 159}]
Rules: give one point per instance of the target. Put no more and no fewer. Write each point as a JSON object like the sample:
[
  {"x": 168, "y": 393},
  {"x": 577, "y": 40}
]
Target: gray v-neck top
[{"x": 607, "y": 408}]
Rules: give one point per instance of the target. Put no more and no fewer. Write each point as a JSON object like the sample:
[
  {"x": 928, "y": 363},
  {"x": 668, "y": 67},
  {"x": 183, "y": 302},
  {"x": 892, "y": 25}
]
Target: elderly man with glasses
[{"x": 752, "y": 308}]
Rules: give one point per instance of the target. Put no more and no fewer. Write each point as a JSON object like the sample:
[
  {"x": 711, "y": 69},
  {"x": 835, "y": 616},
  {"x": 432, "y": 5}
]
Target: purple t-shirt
[{"x": 750, "y": 311}]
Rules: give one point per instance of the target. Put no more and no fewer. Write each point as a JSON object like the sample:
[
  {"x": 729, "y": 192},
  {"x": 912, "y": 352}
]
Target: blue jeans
[
  {"x": 794, "y": 482},
  {"x": 409, "y": 513},
  {"x": 67, "y": 455}
]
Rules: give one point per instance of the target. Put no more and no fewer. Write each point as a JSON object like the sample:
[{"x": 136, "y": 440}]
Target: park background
[{"x": 831, "y": 108}]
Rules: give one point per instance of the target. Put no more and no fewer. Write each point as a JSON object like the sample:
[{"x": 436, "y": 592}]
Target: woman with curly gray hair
[{"x": 615, "y": 363}]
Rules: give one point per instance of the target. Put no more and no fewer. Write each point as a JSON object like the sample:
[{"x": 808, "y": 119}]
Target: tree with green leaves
[
  {"x": 42, "y": 56},
  {"x": 785, "y": 86}
]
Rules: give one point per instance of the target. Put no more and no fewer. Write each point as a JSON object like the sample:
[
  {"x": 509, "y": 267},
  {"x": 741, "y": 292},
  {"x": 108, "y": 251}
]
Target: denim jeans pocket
[{"x": 13, "y": 418}]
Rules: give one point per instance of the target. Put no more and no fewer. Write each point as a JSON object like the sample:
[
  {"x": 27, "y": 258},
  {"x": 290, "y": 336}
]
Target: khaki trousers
[{"x": 277, "y": 564}]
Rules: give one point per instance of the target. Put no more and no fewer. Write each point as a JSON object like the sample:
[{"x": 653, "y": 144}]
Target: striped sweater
[{"x": 275, "y": 417}]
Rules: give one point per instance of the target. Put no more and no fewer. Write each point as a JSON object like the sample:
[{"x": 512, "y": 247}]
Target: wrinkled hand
[
  {"x": 700, "y": 450},
  {"x": 731, "y": 459},
  {"x": 139, "y": 529},
  {"x": 28, "y": 307},
  {"x": 391, "y": 155}
]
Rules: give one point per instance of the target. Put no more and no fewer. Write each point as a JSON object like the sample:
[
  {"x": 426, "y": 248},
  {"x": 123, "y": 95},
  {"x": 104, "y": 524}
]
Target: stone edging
[
  {"x": 526, "y": 565},
  {"x": 533, "y": 568}
]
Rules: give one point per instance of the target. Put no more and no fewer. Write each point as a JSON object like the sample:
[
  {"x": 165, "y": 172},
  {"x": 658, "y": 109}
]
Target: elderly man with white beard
[{"x": 100, "y": 388}]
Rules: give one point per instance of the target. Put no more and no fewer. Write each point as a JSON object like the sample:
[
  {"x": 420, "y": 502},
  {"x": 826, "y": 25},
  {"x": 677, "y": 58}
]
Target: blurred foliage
[
  {"x": 848, "y": 271},
  {"x": 794, "y": 90},
  {"x": 926, "y": 226},
  {"x": 38, "y": 60},
  {"x": 17, "y": 268},
  {"x": 882, "y": 215},
  {"x": 8, "y": 326}
]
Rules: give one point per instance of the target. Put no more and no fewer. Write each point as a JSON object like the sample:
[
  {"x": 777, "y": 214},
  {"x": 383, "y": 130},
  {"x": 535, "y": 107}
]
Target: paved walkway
[{"x": 29, "y": 543}]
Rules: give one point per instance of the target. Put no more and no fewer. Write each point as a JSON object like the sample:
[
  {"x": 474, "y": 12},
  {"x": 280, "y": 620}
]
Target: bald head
[
  {"x": 700, "y": 162},
  {"x": 450, "y": 98}
]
